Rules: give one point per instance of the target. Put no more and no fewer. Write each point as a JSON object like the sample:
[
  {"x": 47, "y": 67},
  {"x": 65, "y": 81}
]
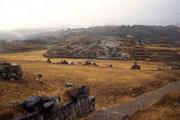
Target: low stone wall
[{"x": 68, "y": 111}]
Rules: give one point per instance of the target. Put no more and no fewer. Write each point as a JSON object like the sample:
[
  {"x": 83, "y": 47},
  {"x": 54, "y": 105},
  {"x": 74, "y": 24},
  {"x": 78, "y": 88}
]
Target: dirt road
[{"x": 141, "y": 102}]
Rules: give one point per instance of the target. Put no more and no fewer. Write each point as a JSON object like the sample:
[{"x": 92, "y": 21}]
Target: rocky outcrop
[{"x": 91, "y": 47}]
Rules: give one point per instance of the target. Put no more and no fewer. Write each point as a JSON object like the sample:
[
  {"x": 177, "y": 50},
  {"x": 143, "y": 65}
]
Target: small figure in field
[
  {"x": 70, "y": 85},
  {"x": 39, "y": 77},
  {"x": 64, "y": 62},
  {"x": 136, "y": 66},
  {"x": 71, "y": 63},
  {"x": 49, "y": 60},
  {"x": 111, "y": 65},
  {"x": 94, "y": 63},
  {"x": 88, "y": 62}
]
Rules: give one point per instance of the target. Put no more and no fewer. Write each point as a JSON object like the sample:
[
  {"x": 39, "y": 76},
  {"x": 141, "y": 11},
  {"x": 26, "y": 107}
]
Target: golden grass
[
  {"x": 110, "y": 85},
  {"x": 165, "y": 109},
  {"x": 163, "y": 48}
]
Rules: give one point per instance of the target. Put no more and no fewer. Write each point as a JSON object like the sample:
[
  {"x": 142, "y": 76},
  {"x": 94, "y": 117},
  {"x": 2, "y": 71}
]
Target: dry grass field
[
  {"x": 168, "y": 108},
  {"x": 111, "y": 86}
]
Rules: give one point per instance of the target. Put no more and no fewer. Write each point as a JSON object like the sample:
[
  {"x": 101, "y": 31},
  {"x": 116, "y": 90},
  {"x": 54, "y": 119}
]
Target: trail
[{"x": 142, "y": 102}]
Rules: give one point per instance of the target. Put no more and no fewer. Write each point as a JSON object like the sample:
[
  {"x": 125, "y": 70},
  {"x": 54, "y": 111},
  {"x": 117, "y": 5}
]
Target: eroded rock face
[{"x": 89, "y": 47}]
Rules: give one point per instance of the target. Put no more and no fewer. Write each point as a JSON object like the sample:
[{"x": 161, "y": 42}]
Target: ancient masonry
[{"x": 68, "y": 111}]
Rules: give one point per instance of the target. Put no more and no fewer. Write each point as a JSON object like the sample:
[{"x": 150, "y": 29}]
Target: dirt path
[{"x": 141, "y": 102}]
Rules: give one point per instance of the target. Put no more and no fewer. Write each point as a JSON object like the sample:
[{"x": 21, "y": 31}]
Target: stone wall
[{"x": 68, "y": 111}]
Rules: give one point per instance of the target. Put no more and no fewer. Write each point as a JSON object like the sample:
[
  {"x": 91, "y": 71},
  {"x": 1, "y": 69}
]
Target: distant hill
[
  {"x": 101, "y": 47},
  {"x": 140, "y": 32},
  {"x": 18, "y": 46},
  {"x": 9, "y": 36},
  {"x": 23, "y": 34},
  {"x": 83, "y": 46},
  {"x": 106, "y": 42},
  {"x": 33, "y": 31},
  {"x": 113, "y": 42},
  {"x": 178, "y": 24}
]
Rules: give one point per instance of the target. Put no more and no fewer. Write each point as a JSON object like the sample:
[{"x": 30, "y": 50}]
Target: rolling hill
[
  {"x": 118, "y": 42},
  {"x": 4, "y": 35}
]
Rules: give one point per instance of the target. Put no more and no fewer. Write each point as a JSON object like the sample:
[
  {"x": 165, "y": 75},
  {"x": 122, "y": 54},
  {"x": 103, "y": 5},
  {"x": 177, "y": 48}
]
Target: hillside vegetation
[{"x": 18, "y": 46}]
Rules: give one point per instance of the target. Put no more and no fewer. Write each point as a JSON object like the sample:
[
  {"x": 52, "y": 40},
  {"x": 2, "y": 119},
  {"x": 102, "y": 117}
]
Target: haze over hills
[
  {"x": 23, "y": 34},
  {"x": 139, "y": 32},
  {"x": 120, "y": 31},
  {"x": 4, "y": 35},
  {"x": 33, "y": 31},
  {"x": 178, "y": 24},
  {"x": 106, "y": 42}
]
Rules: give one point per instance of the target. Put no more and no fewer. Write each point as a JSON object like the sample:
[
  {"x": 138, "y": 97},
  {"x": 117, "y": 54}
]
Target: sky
[{"x": 17, "y": 14}]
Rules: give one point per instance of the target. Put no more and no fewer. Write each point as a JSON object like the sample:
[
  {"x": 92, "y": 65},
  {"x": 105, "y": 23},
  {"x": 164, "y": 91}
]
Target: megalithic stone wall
[{"x": 68, "y": 111}]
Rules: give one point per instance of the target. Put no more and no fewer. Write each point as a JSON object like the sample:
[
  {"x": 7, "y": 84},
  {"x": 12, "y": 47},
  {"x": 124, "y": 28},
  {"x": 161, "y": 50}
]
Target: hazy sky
[{"x": 84, "y": 13}]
